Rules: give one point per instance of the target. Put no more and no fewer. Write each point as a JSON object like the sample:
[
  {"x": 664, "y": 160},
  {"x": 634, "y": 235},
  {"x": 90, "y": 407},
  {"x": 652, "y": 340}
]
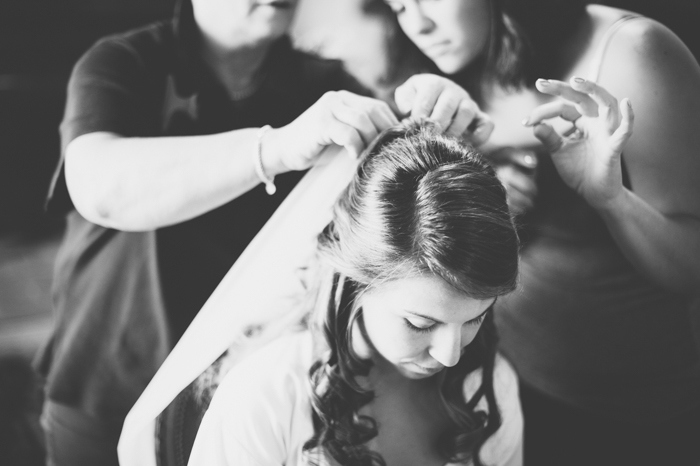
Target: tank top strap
[{"x": 597, "y": 63}]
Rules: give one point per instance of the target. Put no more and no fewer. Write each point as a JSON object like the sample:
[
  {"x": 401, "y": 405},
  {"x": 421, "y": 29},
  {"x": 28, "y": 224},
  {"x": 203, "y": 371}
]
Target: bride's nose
[{"x": 446, "y": 347}]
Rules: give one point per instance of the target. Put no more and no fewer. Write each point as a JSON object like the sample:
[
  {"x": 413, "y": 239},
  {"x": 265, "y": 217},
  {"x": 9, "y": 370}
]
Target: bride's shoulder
[{"x": 283, "y": 361}]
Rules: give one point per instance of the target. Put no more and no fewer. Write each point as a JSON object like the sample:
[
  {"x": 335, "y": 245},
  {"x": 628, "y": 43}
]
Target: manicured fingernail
[
  {"x": 525, "y": 122},
  {"x": 579, "y": 80},
  {"x": 530, "y": 161},
  {"x": 542, "y": 82}
]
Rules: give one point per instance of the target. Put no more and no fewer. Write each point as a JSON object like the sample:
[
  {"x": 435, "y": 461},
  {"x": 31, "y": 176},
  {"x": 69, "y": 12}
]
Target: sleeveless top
[{"x": 584, "y": 326}]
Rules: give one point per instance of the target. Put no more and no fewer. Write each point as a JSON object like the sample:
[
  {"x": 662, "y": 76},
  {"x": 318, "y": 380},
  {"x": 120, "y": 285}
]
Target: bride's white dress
[{"x": 258, "y": 286}]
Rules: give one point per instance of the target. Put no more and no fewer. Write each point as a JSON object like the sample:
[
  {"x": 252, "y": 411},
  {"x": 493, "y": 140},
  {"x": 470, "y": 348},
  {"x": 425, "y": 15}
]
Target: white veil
[{"x": 255, "y": 289}]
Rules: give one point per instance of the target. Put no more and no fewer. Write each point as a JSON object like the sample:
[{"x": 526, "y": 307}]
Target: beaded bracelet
[{"x": 269, "y": 181}]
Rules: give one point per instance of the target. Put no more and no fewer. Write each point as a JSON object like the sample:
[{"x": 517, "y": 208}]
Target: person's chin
[{"x": 448, "y": 65}]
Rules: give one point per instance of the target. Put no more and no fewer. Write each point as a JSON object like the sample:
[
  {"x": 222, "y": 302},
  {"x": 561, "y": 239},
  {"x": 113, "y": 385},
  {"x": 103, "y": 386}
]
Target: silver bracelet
[{"x": 269, "y": 181}]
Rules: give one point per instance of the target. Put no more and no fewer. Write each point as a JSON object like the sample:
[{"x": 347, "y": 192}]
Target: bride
[{"x": 397, "y": 363}]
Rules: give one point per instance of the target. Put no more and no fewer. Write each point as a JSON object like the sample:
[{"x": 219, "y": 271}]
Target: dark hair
[
  {"x": 420, "y": 203},
  {"x": 525, "y": 42}
]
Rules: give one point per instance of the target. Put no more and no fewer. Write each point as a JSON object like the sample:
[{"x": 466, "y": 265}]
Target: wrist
[
  {"x": 271, "y": 147},
  {"x": 615, "y": 205}
]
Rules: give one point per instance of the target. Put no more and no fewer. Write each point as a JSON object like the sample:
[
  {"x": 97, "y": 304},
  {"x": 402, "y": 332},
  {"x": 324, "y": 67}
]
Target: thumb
[
  {"x": 404, "y": 95},
  {"x": 550, "y": 138},
  {"x": 624, "y": 131}
]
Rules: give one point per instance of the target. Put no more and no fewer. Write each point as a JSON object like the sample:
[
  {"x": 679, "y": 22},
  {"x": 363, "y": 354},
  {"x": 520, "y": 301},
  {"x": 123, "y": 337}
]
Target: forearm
[
  {"x": 138, "y": 184},
  {"x": 666, "y": 248}
]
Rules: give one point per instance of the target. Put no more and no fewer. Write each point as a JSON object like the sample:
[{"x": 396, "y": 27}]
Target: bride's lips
[{"x": 427, "y": 370}]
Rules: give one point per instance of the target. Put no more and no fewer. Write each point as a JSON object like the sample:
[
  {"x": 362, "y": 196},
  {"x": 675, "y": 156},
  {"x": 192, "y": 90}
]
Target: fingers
[
  {"x": 357, "y": 120},
  {"x": 418, "y": 95},
  {"x": 377, "y": 111},
  {"x": 606, "y": 102},
  {"x": 551, "y": 140},
  {"x": 471, "y": 123},
  {"x": 451, "y": 113},
  {"x": 346, "y": 136},
  {"x": 446, "y": 103},
  {"x": 583, "y": 103},
  {"x": 363, "y": 119},
  {"x": 459, "y": 116},
  {"x": 404, "y": 96},
  {"x": 622, "y": 134},
  {"x": 579, "y": 95},
  {"x": 557, "y": 108},
  {"x": 482, "y": 128}
]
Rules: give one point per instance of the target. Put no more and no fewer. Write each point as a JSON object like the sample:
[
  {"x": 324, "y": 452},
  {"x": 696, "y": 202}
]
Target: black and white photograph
[{"x": 349, "y": 233}]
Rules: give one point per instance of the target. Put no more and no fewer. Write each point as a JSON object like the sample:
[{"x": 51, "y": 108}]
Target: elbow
[
  {"x": 96, "y": 195},
  {"x": 101, "y": 206},
  {"x": 88, "y": 193}
]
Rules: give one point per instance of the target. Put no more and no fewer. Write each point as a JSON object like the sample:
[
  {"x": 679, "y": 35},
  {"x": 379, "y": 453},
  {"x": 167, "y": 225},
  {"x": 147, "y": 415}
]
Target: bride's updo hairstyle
[{"x": 420, "y": 203}]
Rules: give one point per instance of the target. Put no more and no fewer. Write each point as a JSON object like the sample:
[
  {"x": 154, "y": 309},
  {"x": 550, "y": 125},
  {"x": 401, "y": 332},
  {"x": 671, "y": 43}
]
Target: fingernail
[
  {"x": 542, "y": 82},
  {"x": 525, "y": 122},
  {"x": 579, "y": 80},
  {"x": 628, "y": 103}
]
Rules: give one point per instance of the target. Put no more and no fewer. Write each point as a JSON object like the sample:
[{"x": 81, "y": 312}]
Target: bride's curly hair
[{"x": 420, "y": 203}]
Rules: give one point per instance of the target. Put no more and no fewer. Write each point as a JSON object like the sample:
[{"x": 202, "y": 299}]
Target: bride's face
[
  {"x": 420, "y": 325},
  {"x": 452, "y": 33}
]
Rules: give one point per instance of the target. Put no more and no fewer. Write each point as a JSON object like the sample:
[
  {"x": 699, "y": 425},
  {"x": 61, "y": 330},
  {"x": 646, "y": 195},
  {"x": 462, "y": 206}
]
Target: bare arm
[
  {"x": 137, "y": 184},
  {"x": 146, "y": 183},
  {"x": 656, "y": 223}
]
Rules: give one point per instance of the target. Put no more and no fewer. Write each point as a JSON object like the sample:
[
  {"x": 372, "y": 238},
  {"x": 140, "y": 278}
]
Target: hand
[
  {"x": 438, "y": 98},
  {"x": 516, "y": 168},
  {"x": 338, "y": 117},
  {"x": 588, "y": 156}
]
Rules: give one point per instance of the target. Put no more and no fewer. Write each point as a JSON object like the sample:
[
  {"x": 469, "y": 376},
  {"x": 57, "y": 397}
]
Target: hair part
[{"x": 420, "y": 203}]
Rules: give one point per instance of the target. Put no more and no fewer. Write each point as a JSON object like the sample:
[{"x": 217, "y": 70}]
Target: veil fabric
[{"x": 256, "y": 289}]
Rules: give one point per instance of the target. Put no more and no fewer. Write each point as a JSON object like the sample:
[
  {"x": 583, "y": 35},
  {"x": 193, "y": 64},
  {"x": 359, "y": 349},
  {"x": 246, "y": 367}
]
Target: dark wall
[{"x": 40, "y": 40}]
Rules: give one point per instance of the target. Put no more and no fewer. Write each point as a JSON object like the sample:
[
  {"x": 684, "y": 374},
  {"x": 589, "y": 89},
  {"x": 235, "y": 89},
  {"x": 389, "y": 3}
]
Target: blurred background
[{"x": 40, "y": 40}]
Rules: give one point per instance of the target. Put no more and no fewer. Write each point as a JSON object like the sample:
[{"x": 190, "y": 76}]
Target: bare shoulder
[
  {"x": 640, "y": 42},
  {"x": 646, "y": 62}
]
